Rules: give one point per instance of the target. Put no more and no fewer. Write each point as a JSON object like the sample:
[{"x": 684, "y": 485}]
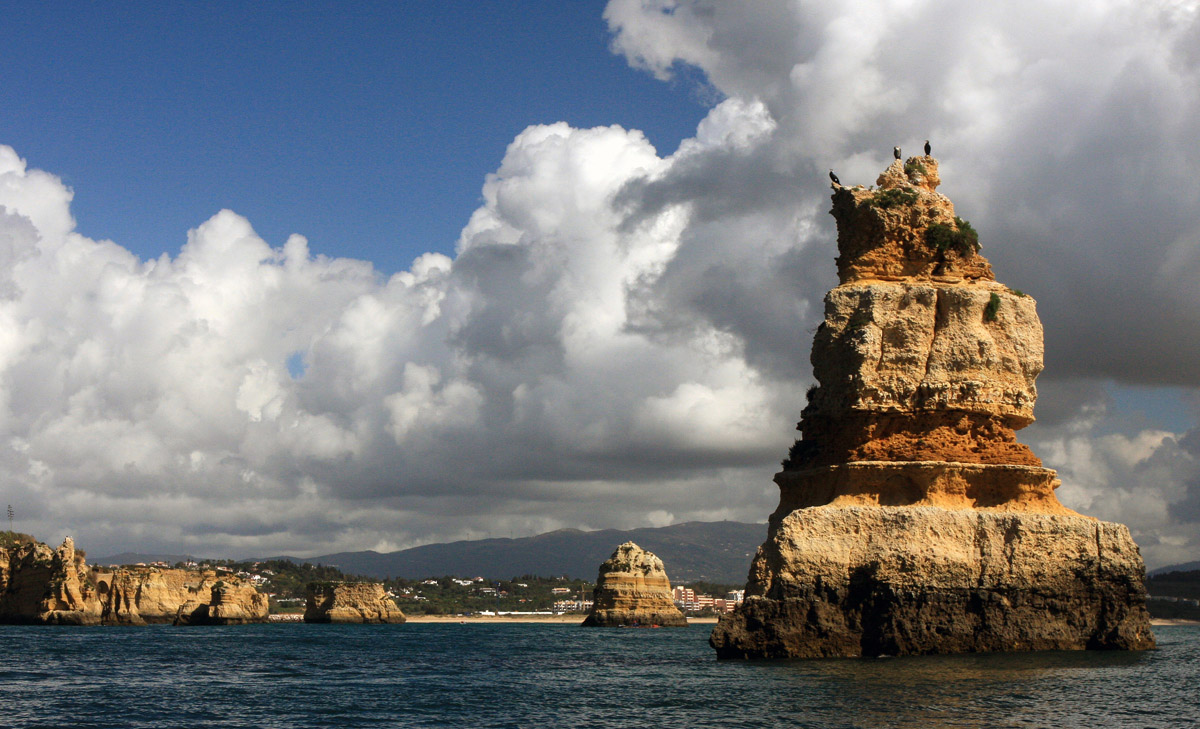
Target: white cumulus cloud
[{"x": 621, "y": 337}]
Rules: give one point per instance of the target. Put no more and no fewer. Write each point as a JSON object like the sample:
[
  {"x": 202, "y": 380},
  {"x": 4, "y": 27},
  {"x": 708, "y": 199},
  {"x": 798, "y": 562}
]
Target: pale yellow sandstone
[
  {"x": 850, "y": 581},
  {"x": 350, "y": 602},
  {"x": 632, "y": 588},
  {"x": 910, "y": 347},
  {"x": 910, "y": 519},
  {"x": 43, "y": 585}
]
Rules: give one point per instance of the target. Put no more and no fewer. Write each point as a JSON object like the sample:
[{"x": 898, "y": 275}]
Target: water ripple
[{"x": 517, "y": 676}]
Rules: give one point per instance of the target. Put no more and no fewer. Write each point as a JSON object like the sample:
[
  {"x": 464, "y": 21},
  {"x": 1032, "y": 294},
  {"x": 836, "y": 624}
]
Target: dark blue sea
[{"x": 478, "y": 675}]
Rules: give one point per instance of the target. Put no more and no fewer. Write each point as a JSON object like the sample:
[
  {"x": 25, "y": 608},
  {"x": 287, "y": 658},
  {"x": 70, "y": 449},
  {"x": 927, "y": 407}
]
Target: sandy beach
[
  {"x": 1166, "y": 621},
  {"x": 562, "y": 619}
]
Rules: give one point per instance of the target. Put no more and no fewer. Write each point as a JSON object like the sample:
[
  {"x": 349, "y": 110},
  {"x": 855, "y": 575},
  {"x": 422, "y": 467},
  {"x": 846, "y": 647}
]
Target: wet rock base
[{"x": 874, "y": 581}]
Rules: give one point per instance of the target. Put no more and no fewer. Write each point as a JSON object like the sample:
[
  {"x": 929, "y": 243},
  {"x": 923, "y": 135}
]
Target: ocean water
[{"x": 473, "y": 675}]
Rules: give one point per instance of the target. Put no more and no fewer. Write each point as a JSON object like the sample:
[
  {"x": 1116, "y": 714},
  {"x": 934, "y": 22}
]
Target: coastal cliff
[
  {"x": 910, "y": 519},
  {"x": 632, "y": 589},
  {"x": 349, "y": 602},
  {"x": 40, "y": 585}
]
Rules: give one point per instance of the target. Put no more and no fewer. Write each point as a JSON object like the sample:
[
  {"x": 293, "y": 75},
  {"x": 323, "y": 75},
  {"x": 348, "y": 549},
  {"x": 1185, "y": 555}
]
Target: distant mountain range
[
  {"x": 712, "y": 551},
  {"x": 1185, "y": 567},
  {"x": 717, "y": 551}
]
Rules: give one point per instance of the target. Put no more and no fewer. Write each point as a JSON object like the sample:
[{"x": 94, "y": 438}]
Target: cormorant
[
  {"x": 928, "y": 149},
  {"x": 896, "y": 152},
  {"x": 833, "y": 177}
]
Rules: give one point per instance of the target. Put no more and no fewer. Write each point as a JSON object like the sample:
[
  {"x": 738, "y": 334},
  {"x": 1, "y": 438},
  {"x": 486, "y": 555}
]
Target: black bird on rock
[
  {"x": 896, "y": 152},
  {"x": 928, "y": 149},
  {"x": 833, "y": 177}
]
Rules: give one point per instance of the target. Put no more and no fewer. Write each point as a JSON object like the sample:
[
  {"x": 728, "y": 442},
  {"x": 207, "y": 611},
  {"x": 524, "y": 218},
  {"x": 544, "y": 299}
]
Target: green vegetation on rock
[
  {"x": 992, "y": 308},
  {"x": 961, "y": 238},
  {"x": 13, "y": 539},
  {"x": 893, "y": 197}
]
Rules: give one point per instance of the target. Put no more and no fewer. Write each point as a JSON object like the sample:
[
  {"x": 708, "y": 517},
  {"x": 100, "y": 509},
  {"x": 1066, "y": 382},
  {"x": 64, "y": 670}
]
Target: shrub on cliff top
[
  {"x": 962, "y": 237},
  {"x": 914, "y": 168},
  {"x": 801, "y": 452},
  {"x": 893, "y": 197},
  {"x": 13, "y": 539}
]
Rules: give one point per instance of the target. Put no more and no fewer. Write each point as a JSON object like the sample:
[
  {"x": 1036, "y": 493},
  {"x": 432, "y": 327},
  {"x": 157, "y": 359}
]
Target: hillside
[
  {"x": 147, "y": 558},
  {"x": 1175, "y": 593},
  {"x": 1185, "y": 567},
  {"x": 709, "y": 551},
  {"x": 1185, "y": 584}
]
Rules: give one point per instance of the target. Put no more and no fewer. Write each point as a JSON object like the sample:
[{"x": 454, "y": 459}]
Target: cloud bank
[{"x": 621, "y": 338}]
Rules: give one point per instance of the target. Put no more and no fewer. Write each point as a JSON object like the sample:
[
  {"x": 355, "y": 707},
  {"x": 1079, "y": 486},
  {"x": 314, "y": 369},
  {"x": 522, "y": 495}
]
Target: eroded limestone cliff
[
  {"x": 632, "y": 588},
  {"x": 911, "y": 520},
  {"x": 41, "y": 585},
  {"x": 349, "y": 602}
]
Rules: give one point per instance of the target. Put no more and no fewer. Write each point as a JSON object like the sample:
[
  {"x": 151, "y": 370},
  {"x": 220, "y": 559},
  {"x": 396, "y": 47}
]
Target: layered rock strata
[
  {"x": 632, "y": 588},
  {"x": 910, "y": 518},
  {"x": 350, "y": 602},
  {"x": 40, "y": 585}
]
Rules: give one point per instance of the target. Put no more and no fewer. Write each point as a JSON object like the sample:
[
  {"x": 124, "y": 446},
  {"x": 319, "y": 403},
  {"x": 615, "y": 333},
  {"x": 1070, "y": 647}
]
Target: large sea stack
[
  {"x": 910, "y": 519},
  {"x": 632, "y": 589}
]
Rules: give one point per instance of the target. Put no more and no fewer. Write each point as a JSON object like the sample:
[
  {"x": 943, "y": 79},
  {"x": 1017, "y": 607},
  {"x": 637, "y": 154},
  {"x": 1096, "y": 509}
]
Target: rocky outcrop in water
[
  {"x": 349, "y": 602},
  {"x": 632, "y": 589},
  {"x": 40, "y": 585},
  {"x": 910, "y": 518}
]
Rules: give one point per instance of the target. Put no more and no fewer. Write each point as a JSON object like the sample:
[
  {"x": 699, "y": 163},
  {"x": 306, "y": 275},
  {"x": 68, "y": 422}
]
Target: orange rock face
[{"x": 956, "y": 436}]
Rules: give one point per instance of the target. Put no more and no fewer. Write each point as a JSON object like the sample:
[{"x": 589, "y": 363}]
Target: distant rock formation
[
  {"x": 228, "y": 601},
  {"x": 910, "y": 519},
  {"x": 40, "y": 585},
  {"x": 632, "y": 589},
  {"x": 349, "y": 602}
]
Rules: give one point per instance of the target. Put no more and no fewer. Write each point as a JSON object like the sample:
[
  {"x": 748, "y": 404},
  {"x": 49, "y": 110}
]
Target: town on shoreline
[
  {"x": 1175, "y": 596},
  {"x": 40, "y": 584}
]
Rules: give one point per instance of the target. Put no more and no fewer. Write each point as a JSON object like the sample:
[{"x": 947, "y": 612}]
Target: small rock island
[
  {"x": 632, "y": 589},
  {"x": 349, "y": 602},
  {"x": 910, "y": 519}
]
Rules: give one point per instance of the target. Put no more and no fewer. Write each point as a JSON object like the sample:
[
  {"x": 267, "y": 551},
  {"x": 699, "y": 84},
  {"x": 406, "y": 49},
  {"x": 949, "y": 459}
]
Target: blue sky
[
  {"x": 366, "y": 127},
  {"x": 623, "y": 339}
]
